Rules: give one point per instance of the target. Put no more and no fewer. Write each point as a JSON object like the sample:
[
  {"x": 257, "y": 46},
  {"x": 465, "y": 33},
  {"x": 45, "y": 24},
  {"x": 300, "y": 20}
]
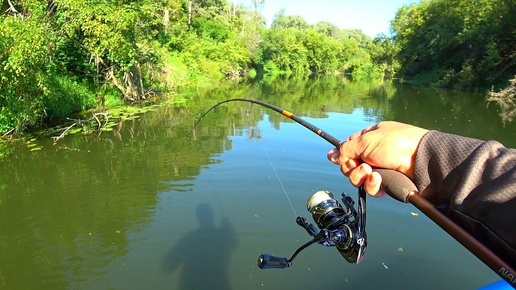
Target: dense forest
[{"x": 62, "y": 57}]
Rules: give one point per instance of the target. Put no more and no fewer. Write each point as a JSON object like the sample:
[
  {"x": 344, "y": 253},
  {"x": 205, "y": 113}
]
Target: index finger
[
  {"x": 362, "y": 132},
  {"x": 351, "y": 149}
]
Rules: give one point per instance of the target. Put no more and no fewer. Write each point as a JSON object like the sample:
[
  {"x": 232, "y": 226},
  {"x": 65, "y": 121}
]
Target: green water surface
[{"x": 124, "y": 209}]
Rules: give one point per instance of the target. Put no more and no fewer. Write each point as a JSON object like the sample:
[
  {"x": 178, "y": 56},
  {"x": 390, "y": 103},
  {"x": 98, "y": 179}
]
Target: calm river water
[{"x": 123, "y": 209}]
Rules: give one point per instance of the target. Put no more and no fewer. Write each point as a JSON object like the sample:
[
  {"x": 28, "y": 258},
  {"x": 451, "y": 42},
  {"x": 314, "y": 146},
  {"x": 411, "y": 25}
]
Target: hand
[{"x": 388, "y": 145}]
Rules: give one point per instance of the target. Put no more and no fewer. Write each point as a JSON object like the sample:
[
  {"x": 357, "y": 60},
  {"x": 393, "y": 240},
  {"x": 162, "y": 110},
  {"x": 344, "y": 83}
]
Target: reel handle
[
  {"x": 267, "y": 261},
  {"x": 396, "y": 184}
]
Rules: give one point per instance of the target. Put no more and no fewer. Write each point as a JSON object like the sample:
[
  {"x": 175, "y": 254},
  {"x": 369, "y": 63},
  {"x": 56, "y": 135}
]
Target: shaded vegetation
[{"x": 457, "y": 44}]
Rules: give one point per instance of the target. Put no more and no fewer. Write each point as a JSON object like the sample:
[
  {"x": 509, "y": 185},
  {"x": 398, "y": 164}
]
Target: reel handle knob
[{"x": 267, "y": 261}]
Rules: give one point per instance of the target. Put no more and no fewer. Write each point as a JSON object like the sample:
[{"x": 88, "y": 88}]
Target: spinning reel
[{"x": 339, "y": 226}]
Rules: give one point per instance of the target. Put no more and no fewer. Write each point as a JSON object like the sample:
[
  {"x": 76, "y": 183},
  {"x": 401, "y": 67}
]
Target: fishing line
[
  {"x": 279, "y": 179},
  {"x": 248, "y": 112}
]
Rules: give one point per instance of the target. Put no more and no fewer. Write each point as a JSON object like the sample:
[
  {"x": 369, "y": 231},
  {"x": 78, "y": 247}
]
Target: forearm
[{"x": 476, "y": 182}]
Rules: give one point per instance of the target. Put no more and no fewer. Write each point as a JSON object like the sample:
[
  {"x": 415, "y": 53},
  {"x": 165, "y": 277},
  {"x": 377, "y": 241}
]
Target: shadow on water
[{"x": 202, "y": 256}]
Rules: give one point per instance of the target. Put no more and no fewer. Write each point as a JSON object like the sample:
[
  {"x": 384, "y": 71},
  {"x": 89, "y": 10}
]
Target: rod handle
[{"x": 396, "y": 184}]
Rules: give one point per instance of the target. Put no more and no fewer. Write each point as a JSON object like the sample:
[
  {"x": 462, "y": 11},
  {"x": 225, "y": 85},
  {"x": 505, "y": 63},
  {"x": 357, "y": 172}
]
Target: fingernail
[
  {"x": 373, "y": 179},
  {"x": 335, "y": 157},
  {"x": 351, "y": 163}
]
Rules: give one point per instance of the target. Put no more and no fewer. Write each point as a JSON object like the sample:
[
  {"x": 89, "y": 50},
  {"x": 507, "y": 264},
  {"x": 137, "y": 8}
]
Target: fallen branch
[
  {"x": 63, "y": 134},
  {"x": 82, "y": 122},
  {"x": 8, "y": 133},
  {"x": 506, "y": 99},
  {"x": 105, "y": 114}
]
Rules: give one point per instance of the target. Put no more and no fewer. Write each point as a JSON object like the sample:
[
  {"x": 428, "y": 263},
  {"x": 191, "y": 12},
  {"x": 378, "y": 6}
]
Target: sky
[{"x": 370, "y": 16}]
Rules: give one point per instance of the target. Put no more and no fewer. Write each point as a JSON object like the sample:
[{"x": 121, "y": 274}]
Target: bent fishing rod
[{"x": 343, "y": 226}]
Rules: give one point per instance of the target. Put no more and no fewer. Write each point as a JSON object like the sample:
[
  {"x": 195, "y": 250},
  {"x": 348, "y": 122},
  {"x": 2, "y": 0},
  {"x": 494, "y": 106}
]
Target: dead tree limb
[{"x": 82, "y": 122}]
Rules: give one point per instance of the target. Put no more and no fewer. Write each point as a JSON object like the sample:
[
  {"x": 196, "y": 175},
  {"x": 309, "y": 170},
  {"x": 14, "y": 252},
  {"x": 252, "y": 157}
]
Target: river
[{"x": 125, "y": 209}]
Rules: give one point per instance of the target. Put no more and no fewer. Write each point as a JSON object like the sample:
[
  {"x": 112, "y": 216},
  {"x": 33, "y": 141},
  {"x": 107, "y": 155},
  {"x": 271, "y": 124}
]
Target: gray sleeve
[{"x": 474, "y": 183}]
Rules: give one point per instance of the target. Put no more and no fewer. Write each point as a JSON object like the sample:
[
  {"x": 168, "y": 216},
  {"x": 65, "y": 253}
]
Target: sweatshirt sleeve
[{"x": 474, "y": 182}]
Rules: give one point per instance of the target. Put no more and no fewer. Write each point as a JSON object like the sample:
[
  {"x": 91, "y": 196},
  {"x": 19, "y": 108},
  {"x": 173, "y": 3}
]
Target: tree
[
  {"x": 283, "y": 48},
  {"x": 327, "y": 28},
  {"x": 322, "y": 52},
  {"x": 281, "y": 21},
  {"x": 456, "y": 43},
  {"x": 383, "y": 52},
  {"x": 25, "y": 68},
  {"x": 117, "y": 37}
]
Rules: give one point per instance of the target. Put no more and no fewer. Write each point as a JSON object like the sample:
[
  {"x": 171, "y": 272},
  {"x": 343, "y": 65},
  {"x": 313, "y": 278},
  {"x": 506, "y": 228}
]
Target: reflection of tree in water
[
  {"x": 506, "y": 99},
  {"x": 203, "y": 254}
]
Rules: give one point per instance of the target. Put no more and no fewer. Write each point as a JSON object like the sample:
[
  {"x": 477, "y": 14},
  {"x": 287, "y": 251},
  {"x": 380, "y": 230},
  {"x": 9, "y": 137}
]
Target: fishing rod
[{"x": 343, "y": 226}]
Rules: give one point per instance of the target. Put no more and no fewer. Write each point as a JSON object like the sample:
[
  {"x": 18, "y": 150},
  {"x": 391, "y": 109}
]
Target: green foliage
[
  {"x": 211, "y": 29},
  {"x": 282, "y": 21},
  {"x": 119, "y": 38},
  {"x": 25, "y": 72},
  {"x": 292, "y": 47},
  {"x": 383, "y": 53},
  {"x": 323, "y": 52},
  {"x": 110, "y": 98},
  {"x": 215, "y": 59},
  {"x": 55, "y": 58},
  {"x": 456, "y": 43},
  {"x": 251, "y": 28},
  {"x": 59, "y": 58},
  {"x": 284, "y": 48},
  {"x": 68, "y": 95},
  {"x": 327, "y": 28},
  {"x": 252, "y": 73},
  {"x": 356, "y": 34},
  {"x": 271, "y": 68}
]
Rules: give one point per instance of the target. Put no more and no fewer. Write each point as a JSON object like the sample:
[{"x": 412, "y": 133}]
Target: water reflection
[
  {"x": 203, "y": 255},
  {"x": 85, "y": 211}
]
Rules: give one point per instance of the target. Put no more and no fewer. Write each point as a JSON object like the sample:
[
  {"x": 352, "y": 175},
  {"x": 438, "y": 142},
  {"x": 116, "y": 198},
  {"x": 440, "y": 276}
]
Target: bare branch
[
  {"x": 8, "y": 133},
  {"x": 64, "y": 133},
  {"x": 12, "y": 9},
  {"x": 82, "y": 122},
  {"x": 506, "y": 99}
]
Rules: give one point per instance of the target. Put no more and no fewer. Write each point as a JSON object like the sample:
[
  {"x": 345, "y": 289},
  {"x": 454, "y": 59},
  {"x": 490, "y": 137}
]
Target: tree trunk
[
  {"x": 189, "y": 12},
  {"x": 166, "y": 17}
]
